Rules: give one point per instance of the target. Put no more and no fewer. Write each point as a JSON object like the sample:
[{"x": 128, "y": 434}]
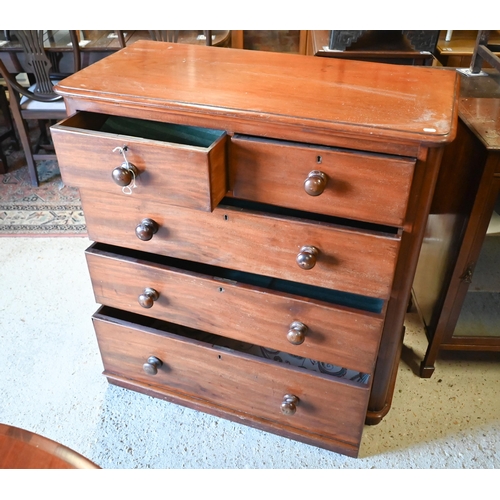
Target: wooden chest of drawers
[{"x": 257, "y": 218}]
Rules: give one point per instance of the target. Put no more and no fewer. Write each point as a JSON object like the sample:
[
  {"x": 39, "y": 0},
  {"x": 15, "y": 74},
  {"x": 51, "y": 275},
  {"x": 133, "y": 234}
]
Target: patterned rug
[{"x": 51, "y": 209}]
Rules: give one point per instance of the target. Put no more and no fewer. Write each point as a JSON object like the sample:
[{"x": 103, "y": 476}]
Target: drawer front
[
  {"x": 368, "y": 187},
  {"x": 336, "y": 335},
  {"x": 185, "y": 175},
  {"x": 251, "y": 387},
  {"x": 347, "y": 260}
]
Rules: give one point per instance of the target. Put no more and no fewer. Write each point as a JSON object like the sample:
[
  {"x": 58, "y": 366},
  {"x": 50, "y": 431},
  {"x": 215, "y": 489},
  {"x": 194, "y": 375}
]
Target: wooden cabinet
[
  {"x": 257, "y": 219},
  {"x": 456, "y": 49},
  {"x": 386, "y": 46},
  {"x": 457, "y": 283}
]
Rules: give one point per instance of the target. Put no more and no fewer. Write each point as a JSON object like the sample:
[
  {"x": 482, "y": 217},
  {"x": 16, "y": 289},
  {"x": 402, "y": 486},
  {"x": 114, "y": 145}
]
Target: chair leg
[
  {"x": 3, "y": 162},
  {"x": 9, "y": 124},
  {"x": 22, "y": 130}
]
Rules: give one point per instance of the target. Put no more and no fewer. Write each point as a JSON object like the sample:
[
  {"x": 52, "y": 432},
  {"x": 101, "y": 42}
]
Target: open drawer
[
  {"x": 175, "y": 164},
  {"x": 206, "y": 373},
  {"x": 333, "y": 327}
]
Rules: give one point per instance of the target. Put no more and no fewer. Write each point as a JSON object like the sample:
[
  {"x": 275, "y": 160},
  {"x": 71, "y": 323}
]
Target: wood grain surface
[
  {"x": 23, "y": 449},
  {"x": 249, "y": 89},
  {"x": 183, "y": 175},
  {"x": 338, "y": 335},
  {"x": 237, "y": 382},
  {"x": 349, "y": 260},
  {"x": 360, "y": 186}
]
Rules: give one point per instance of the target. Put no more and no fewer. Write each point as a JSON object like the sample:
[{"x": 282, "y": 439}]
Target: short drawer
[
  {"x": 332, "y": 327},
  {"x": 357, "y": 185},
  {"x": 231, "y": 378},
  {"x": 331, "y": 255},
  {"x": 181, "y": 165}
]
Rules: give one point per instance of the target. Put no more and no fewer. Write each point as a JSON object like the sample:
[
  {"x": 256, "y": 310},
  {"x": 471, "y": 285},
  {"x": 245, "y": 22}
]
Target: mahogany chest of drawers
[{"x": 257, "y": 219}]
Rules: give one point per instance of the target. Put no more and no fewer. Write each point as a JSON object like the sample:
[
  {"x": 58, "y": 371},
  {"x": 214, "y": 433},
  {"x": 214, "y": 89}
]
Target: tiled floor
[{"x": 51, "y": 383}]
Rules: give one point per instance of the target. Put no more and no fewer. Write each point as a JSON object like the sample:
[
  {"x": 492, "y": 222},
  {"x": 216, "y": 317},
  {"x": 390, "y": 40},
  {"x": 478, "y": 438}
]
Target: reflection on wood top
[{"x": 343, "y": 96}]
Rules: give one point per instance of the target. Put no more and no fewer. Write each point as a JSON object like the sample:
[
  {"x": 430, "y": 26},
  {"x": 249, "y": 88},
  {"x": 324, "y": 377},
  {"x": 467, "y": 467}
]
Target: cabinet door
[{"x": 476, "y": 313}]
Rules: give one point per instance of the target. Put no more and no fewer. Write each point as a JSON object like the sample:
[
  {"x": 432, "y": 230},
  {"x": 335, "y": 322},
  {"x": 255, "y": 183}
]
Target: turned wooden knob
[
  {"x": 124, "y": 174},
  {"x": 148, "y": 297},
  {"x": 146, "y": 229},
  {"x": 151, "y": 365},
  {"x": 315, "y": 183},
  {"x": 289, "y": 404},
  {"x": 306, "y": 258},
  {"x": 297, "y": 333}
]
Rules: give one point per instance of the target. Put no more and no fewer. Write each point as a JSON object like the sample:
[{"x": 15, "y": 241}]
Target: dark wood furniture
[
  {"x": 288, "y": 41},
  {"x": 93, "y": 45},
  {"x": 38, "y": 102},
  {"x": 250, "y": 208},
  {"x": 216, "y": 38},
  {"x": 386, "y": 46},
  {"x": 458, "y": 50},
  {"x": 484, "y": 53},
  {"x": 64, "y": 55},
  {"x": 457, "y": 283},
  {"x": 22, "y": 449},
  {"x": 6, "y": 126}
]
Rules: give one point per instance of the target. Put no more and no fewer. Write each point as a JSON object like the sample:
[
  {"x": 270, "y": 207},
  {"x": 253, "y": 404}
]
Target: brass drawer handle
[
  {"x": 289, "y": 404},
  {"x": 151, "y": 365},
  {"x": 315, "y": 183},
  {"x": 306, "y": 258},
  {"x": 148, "y": 297},
  {"x": 297, "y": 333},
  {"x": 146, "y": 229}
]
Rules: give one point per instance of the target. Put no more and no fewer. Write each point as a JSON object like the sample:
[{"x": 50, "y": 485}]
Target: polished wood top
[
  {"x": 22, "y": 449},
  {"x": 230, "y": 85}
]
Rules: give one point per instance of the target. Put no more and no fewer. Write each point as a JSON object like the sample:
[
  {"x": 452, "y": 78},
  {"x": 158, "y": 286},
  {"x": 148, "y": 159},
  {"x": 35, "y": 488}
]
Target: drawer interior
[
  {"x": 158, "y": 131},
  {"x": 235, "y": 347},
  {"x": 145, "y": 129}
]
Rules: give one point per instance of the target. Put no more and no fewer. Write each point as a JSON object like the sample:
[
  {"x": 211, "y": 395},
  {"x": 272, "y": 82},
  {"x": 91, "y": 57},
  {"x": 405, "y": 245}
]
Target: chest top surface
[{"x": 411, "y": 103}]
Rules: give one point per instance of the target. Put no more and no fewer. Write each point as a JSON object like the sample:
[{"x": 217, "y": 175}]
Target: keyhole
[{"x": 319, "y": 159}]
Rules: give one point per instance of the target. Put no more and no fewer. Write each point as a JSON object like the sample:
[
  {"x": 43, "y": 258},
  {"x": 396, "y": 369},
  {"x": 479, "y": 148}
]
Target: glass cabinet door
[{"x": 480, "y": 312}]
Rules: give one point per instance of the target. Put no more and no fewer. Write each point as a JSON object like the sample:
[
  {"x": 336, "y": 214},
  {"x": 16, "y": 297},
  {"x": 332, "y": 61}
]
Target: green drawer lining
[{"x": 158, "y": 131}]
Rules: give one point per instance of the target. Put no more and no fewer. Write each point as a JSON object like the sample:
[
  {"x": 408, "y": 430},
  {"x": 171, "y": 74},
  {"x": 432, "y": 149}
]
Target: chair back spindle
[
  {"x": 37, "y": 61},
  {"x": 164, "y": 35}
]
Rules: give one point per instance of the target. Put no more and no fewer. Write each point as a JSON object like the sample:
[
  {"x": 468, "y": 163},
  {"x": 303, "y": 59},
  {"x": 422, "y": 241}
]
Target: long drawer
[
  {"x": 359, "y": 185},
  {"x": 320, "y": 324},
  {"x": 296, "y": 249},
  {"x": 181, "y": 165},
  {"x": 185, "y": 366}
]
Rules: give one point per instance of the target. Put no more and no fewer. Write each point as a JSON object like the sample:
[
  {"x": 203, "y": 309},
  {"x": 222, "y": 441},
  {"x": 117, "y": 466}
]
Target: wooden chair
[
  {"x": 483, "y": 53},
  {"x": 38, "y": 102}
]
